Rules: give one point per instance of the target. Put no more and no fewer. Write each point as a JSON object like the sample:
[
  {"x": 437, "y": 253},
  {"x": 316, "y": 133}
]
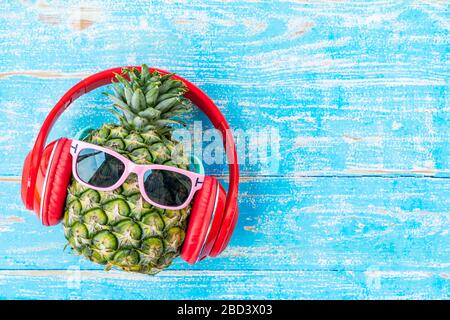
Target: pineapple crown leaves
[{"x": 148, "y": 100}]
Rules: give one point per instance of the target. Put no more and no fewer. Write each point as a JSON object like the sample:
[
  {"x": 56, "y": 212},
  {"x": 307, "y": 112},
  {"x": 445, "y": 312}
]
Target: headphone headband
[{"x": 197, "y": 96}]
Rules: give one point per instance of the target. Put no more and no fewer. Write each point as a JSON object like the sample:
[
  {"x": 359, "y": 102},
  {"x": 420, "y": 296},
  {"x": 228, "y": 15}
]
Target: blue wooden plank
[
  {"x": 292, "y": 224},
  {"x": 377, "y": 138},
  {"x": 205, "y": 38},
  {"x": 346, "y": 97},
  {"x": 76, "y": 284},
  {"x": 354, "y": 89}
]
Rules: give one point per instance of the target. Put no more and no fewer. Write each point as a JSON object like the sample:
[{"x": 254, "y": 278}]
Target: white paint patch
[
  {"x": 6, "y": 222},
  {"x": 399, "y": 274},
  {"x": 369, "y": 140},
  {"x": 396, "y": 125},
  {"x": 35, "y": 249},
  {"x": 254, "y": 26},
  {"x": 380, "y": 170},
  {"x": 79, "y": 16},
  {"x": 312, "y": 141},
  {"x": 45, "y": 74}
]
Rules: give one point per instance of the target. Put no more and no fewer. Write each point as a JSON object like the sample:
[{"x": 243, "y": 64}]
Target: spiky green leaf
[
  {"x": 123, "y": 81},
  {"x": 169, "y": 84},
  {"x": 118, "y": 90},
  {"x": 137, "y": 101},
  {"x": 166, "y": 76},
  {"x": 165, "y": 105},
  {"x": 128, "y": 95},
  {"x": 151, "y": 96},
  {"x": 150, "y": 113},
  {"x": 139, "y": 122},
  {"x": 116, "y": 100},
  {"x": 166, "y": 96},
  {"x": 148, "y": 100},
  {"x": 145, "y": 74},
  {"x": 165, "y": 122}
]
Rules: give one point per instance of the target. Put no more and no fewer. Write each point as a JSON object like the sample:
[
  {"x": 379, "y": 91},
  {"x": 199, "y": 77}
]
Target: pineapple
[{"x": 119, "y": 228}]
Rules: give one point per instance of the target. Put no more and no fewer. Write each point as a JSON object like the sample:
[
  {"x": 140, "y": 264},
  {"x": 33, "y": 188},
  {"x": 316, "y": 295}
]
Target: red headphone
[{"x": 47, "y": 172}]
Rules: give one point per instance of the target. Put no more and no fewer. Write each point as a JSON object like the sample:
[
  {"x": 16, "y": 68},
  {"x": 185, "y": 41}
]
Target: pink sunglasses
[{"x": 105, "y": 170}]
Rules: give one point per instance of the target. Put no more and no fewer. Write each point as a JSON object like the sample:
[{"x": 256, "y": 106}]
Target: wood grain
[
  {"x": 288, "y": 224},
  {"x": 73, "y": 284},
  {"x": 314, "y": 140},
  {"x": 359, "y": 92}
]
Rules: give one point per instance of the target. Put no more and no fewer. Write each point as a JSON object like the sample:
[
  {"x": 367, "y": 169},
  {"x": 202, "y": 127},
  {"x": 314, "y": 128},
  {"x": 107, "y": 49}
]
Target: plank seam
[
  {"x": 198, "y": 273},
  {"x": 17, "y": 179}
]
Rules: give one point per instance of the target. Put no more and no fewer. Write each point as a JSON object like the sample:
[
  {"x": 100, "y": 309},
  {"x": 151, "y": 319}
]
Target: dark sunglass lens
[
  {"x": 98, "y": 168},
  {"x": 167, "y": 188}
]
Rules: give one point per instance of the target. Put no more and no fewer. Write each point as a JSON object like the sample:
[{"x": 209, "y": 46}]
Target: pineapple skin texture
[{"x": 119, "y": 228}]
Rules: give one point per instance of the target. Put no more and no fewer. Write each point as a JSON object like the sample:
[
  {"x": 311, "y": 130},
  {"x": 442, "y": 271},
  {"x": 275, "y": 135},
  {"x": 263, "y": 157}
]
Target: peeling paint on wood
[
  {"x": 204, "y": 284},
  {"x": 78, "y": 16},
  {"x": 45, "y": 74},
  {"x": 358, "y": 91}
]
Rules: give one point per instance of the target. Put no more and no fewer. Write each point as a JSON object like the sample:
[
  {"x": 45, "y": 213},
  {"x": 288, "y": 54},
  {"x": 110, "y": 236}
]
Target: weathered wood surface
[{"x": 358, "y": 207}]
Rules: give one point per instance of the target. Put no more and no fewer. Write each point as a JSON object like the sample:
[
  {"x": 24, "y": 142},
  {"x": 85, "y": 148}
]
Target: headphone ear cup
[
  {"x": 24, "y": 185},
  {"x": 216, "y": 224},
  {"x": 204, "y": 221},
  {"x": 224, "y": 234},
  {"x": 53, "y": 179}
]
